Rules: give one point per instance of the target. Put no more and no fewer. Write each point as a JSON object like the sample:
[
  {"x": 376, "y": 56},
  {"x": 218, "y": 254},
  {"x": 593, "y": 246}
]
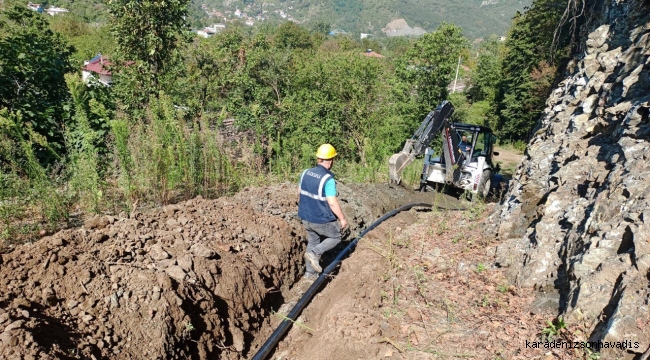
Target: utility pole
[{"x": 453, "y": 91}]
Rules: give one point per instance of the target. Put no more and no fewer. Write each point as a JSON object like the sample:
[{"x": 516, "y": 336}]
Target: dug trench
[
  {"x": 423, "y": 285},
  {"x": 200, "y": 279}
]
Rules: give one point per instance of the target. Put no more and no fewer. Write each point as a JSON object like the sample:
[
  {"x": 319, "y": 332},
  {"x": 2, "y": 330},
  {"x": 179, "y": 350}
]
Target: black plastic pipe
[{"x": 273, "y": 340}]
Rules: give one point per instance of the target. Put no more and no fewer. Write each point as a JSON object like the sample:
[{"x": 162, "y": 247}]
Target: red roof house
[
  {"x": 97, "y": 68},
  {"x": 370, "y": 53}
]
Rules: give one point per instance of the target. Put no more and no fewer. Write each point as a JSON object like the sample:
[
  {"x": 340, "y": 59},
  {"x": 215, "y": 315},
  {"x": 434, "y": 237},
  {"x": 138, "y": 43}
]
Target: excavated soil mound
[{"x": 197, "y": 279}]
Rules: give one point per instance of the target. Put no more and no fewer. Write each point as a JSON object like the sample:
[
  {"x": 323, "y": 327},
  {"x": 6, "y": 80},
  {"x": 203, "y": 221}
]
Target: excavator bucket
[
  {"x": 419, "y": 142},
  {"x": 396, "y": 165}
]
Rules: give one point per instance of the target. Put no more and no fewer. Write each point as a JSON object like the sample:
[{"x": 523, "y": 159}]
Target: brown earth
[
  {"x": 508, "y": 157},
  {"x": 188, "y": 280},
  {"x": 208, "y": 279},
  {"x": 198, "y": 279},
  {"x": 422, "y": 286}
]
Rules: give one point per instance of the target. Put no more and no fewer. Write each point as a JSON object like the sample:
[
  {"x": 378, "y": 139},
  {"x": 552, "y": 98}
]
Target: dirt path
[
  {"x": 508, "y": 156},
  {"x": 509, "y": 159},
  {"x": 421, "y": 286}
]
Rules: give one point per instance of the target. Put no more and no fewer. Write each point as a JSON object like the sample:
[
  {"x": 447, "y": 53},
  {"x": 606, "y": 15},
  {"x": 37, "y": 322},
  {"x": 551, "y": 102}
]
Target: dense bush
[{"x": 33, "y": 62}]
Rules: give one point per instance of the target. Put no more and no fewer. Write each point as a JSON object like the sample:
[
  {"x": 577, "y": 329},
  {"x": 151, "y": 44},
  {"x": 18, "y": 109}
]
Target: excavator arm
[{"x": 417, "y": 144}]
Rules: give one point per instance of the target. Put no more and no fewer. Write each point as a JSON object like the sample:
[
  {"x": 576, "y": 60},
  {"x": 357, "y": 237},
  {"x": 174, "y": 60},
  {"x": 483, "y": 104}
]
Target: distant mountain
[{"x": 478, "y": 18}]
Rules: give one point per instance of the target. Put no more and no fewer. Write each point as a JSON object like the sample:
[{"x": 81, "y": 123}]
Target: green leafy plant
[
  {"x": 187, "y": 330},
  {"x": 485, "y": 301},
  {"x": 535, "y": 45},
  {"x": 442, "y": 227},
  {"x": 553, "y": 329},
  {"x": 148, "y": 35},
  {"x": 450, "y": 308},
  {"x": 591, "y": 354},
  {"x": 33, "y": 62},
  {"x": 189, "y": 327},
  {"x": 430, "y": 64}
]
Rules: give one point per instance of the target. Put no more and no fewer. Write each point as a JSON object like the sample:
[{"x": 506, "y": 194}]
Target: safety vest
[{"x": 313, "y": 206}]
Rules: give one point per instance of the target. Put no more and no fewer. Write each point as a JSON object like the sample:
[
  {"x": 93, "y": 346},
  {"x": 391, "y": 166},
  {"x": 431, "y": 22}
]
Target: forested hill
[{"x": 478, "y": 18}]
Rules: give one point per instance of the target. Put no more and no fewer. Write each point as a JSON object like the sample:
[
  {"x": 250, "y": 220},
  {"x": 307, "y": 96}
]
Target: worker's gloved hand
[{"x": 345, "y": 234}]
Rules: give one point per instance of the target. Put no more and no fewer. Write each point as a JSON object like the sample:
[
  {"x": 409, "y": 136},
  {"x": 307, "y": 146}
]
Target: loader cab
[
  {"x": 472, "y": 141},
  {"x": 482, "y": 144},
  {"x": 465, "y": 160}
]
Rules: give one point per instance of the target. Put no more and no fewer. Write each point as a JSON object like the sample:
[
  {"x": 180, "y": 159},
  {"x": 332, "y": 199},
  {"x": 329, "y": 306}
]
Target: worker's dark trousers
[{"x": 320, "y": 238}]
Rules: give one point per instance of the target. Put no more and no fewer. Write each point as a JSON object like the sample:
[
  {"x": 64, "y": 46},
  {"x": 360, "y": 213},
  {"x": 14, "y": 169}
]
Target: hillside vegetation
[{"x": 189, "y": 116}]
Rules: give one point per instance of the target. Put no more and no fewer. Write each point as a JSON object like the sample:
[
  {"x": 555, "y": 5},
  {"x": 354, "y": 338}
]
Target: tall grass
[
  {"x": 163, "y": 158},
  {"x": 85, "y": 184},
  {"x": 166, "y": 157},
  {"x": 30, "y": 199},
  {"x": 518, "y": 145}
]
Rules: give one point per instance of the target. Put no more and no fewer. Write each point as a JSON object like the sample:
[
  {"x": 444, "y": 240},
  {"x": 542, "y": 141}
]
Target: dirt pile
[
  {"x": 183, "y": 281},
  {"x": 195, "y": 279}
]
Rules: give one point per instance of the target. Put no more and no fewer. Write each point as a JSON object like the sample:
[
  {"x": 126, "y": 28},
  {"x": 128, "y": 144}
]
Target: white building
[
  {"x": 56, "y": 11},
  {"x": 35, "y": 7},
  {"x": 207, "y": 32}
]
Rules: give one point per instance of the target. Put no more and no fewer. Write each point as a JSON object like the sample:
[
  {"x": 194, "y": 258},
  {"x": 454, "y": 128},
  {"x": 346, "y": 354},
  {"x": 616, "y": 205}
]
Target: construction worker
[
  {"x": 319, "y": 210},
  {"x": 465, "y": 146}
]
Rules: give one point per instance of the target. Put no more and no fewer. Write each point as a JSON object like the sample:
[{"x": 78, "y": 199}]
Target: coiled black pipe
[{"x": 273, "y": 340}]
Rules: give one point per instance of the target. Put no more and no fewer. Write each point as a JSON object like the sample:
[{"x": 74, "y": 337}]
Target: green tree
[
  {"x": 529, "y": 67},
  {"x": 33, "y": 62},
  {"x": 371, "y": 43},
  {"x": 429, "y": 65},
  {"x": 344, "y": 99},
  {"x": 395, "y": 45},
  {"x": 290, "y": 35},
  {"x": 93, "y": 111},
  {"x": 486, "y": 76},
  {"x": 148, "y": 35},
  {"x": 90, "y": 11},
  {"x": 321, "y": 27},
  {"x": 87, "y": 40}
]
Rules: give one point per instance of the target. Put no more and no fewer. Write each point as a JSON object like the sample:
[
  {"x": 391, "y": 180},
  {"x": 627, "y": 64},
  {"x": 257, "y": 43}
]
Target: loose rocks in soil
[{"x": 197, "y": 279}]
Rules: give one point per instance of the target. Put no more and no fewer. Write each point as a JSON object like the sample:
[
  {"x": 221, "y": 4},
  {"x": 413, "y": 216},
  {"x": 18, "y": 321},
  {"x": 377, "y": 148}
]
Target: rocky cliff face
[{"x": 577, "y": 217}]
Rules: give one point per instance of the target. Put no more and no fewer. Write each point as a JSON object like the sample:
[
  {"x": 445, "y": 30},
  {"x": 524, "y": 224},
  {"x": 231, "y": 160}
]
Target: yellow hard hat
[{"x": 326, "y": 152}]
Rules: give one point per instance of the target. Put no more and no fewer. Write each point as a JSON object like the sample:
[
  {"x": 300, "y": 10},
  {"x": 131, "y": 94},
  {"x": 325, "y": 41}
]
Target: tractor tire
[{"x": 483, "y": 186}]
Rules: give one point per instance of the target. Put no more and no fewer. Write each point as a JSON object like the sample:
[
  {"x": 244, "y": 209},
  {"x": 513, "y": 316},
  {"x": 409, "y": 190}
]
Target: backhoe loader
[{"x": 465, "y": 165}]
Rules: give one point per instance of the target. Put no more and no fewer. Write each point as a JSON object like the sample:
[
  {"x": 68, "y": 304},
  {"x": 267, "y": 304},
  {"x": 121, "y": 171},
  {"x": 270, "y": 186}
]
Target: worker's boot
[
  {"x": 313, "y": 260},
  {"x": 310, "y": 277}
]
